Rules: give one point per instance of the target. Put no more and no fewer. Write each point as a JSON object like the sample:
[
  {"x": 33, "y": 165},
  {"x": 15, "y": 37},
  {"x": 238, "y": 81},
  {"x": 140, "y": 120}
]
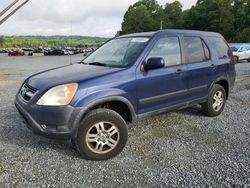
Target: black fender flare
[{"x": 83, "y": 111}]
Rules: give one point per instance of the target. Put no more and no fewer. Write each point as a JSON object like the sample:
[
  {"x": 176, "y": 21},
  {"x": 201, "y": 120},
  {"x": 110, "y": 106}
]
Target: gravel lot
[{"x": 178, "y": 149}]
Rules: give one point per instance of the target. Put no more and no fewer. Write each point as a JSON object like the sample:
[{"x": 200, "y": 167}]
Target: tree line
[
  {"x": 231, "y": 18},
  {"x": 49, "y": 41}
]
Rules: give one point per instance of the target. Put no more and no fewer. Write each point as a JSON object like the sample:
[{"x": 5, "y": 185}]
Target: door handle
[
  {"x": 179, "y": 71},
  {"x": 213, "y": 66}
]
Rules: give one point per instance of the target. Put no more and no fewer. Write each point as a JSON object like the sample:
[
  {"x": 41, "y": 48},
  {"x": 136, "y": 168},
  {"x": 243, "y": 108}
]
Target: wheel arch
[
  {"x": 116, "y": 103},
  {"x": 224, "y": 83}
]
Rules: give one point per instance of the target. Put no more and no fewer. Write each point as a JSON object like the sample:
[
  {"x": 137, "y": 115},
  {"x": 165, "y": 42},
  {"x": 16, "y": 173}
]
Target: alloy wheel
[
  {"x": 218, "y": 101},
  {"x": 102, "y": 137}
]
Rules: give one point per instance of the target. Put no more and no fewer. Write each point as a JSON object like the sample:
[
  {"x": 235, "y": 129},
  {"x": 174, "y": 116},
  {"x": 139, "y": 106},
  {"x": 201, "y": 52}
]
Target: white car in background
[{"x": 241, "y": 52}]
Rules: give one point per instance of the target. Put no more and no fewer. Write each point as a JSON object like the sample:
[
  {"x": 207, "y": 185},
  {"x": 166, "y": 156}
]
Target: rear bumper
[{"x": 50, "y": 122}]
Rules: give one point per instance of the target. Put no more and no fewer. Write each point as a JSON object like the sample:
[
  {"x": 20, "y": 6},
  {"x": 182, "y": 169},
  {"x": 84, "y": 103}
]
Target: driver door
[{"x": 164, "y": 88}]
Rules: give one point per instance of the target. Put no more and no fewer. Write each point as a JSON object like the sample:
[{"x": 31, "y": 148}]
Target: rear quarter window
[
  {"x": 197, "y": 50},
  {"x": 221, "y": 47}
]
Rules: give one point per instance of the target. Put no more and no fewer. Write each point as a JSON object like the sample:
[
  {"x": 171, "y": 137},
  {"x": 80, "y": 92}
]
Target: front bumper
[{"x": 51, "y": 122}]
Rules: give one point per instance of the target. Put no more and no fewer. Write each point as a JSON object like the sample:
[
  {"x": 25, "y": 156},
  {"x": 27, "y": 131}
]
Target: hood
[{"x": 68, "y": 74}]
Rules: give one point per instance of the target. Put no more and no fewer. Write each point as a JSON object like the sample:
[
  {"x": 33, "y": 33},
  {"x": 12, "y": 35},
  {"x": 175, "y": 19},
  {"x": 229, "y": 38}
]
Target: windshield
[
  {"x": 118, "y": 52},
  {"x": 234, "y": 48}
]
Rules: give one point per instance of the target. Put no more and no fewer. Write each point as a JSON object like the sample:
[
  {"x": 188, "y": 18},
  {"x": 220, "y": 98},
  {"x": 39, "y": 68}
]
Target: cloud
[{"x": 92, "y": 18}]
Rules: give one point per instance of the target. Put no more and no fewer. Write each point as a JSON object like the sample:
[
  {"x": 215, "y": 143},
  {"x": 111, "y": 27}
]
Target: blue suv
[{"x": 127, "y": 78}]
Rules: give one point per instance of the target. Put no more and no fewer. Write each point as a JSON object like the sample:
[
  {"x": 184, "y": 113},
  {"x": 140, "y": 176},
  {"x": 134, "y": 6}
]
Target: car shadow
[{"x": 192, "y": 111}]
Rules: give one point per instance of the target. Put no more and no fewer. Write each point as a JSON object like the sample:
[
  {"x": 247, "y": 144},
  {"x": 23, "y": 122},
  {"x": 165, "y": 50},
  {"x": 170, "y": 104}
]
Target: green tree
[
  {"x": 211, "y": 15},
  {"x": 145, "y": 15},
  {"x": 1, "y": 42},
  {"x": 243, "y": 36},
  {"x": 137, "y": 19},
  {"x": 240, "y": 14},
  {"x": 174, "y": 15}
]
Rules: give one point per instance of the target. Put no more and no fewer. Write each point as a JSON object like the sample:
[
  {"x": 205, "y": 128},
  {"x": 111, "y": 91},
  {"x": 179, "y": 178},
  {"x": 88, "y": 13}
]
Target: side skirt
[{"x": 172, "y": 108}]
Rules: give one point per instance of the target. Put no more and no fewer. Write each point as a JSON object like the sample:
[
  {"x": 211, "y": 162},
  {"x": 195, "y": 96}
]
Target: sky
[{"x": 55, "y": 17}]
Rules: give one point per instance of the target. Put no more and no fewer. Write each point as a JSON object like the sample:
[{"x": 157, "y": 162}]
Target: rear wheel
[
  {"x": 102, "y": 135},
  {"x": 216, "y": 101}
]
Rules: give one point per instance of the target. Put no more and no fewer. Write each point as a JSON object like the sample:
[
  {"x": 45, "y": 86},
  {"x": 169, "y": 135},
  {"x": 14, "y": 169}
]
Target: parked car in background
[
  {"x": 38, "y": 50},
  {"x": 241, "y": 52},
  {"x": 47, "y": 51},
  {"x": 129, "y": 77},
  {"x": 57, "y": 52},
  {"x": 16, "y": 53},
  {"x": 70, "y": 52}
]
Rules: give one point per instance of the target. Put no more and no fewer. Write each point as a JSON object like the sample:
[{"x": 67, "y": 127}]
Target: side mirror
[{"x": 154, "y": 63}]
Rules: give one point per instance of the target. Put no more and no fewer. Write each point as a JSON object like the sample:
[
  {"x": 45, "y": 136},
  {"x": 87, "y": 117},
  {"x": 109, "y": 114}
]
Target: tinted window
[
  {"x": 195, "y": 49},
  {"x": 234, "y": 48},
  {"x": 221, "y": 47},
  {"x": 169, "y": 49}
]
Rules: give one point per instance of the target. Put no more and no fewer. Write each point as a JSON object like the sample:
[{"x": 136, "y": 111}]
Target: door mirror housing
[{"x": 154, "y": 63}]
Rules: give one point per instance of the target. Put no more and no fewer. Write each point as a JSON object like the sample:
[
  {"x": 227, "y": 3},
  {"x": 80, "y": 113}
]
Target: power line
[
  {"x": 9, "y": 7},
  {"x": 2, "y": 20}
]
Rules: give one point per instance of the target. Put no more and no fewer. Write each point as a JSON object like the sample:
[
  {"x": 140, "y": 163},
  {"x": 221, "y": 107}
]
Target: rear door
[{"x": 200, "y": 68}]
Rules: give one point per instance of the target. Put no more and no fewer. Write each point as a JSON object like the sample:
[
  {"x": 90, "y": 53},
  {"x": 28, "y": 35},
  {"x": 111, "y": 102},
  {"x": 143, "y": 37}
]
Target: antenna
[{"x": 4, "y": 17}]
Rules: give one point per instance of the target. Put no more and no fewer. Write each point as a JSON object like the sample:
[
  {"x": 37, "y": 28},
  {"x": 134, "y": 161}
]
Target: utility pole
[{"x": 11, "y": 9}]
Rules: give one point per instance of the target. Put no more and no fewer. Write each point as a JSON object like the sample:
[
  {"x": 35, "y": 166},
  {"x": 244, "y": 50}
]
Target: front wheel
[
  {"x": 236, "y": 59},
  {"x": 102, "y": 135},
  {"x": 216, "y": 101}
]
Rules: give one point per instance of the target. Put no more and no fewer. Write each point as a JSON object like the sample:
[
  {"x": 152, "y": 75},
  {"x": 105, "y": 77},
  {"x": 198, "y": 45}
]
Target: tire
[
  {"x": 212, "y": 107},
  {"x": 107, "y": 132},
  {"x": 236, "y": 59},
  {"x": 248, "y": 59}
]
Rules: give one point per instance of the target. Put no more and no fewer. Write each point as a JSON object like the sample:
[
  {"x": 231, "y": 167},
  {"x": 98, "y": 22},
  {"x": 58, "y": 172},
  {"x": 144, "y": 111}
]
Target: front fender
[
  {"x": 100, "y": 97},
  {"x": 92, "y": 99}
]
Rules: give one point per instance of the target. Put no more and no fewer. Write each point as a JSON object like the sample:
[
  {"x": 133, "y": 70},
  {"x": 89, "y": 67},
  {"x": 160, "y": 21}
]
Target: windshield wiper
[
  {"x": 98, "y": 64},
  {"x": 82, "y": 62}
]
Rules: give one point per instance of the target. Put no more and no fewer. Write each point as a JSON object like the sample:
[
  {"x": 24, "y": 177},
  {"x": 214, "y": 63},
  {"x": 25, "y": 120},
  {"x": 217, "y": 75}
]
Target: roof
[
  {"x": 177, "y": 31},
  {"x": 144, "y": 34}
]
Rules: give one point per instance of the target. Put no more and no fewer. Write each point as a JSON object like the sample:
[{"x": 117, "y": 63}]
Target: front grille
[{"x": 27, "y": 92}]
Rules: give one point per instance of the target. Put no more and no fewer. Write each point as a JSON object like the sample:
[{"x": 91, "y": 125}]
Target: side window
[
  {"x": 197, "y": 50},
  {"x": 221, "y": 47},
  {"x": 169, "y": 49}
]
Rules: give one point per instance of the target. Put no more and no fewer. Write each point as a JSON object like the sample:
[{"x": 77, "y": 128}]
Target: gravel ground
[{"x": 178, "y": 149}]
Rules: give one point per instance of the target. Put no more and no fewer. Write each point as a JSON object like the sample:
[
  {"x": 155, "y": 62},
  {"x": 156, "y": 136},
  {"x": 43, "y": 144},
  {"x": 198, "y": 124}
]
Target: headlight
[{"x": 59, "y": 95}]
